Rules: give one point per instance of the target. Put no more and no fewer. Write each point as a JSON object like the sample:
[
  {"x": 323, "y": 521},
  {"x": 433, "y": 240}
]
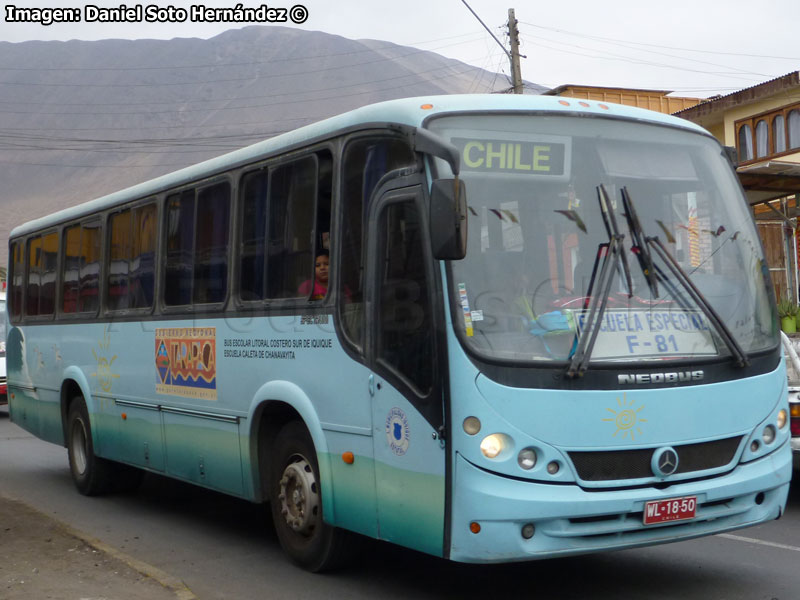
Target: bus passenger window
[
  {"x": 180, "y": 246},
  {"x": 89, "y": 298},
  {"x": 70, "y": 282},
  {"x": 34, "y": 276},
  {"x": 252, "y": 237},
  {"x": 119, "y": 260},
  {"x": 17, "y": 279},
  {"x": 47, "y": 301},
  {"x": 142, "y": 269},
  {"x": 292, "y": 195},
  {"x": 211, "y": 244},
  {"x": 42, "y": 261}
]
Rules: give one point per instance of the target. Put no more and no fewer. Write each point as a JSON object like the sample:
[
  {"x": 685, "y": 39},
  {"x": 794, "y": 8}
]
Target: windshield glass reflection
[{"x": 538, "y": 241}]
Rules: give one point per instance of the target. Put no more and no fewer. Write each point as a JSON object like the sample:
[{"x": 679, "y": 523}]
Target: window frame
[
  {"x": 106, "y": 254},
  {"x": 41, "y": 234},
  {"x": 227, "y": 177},
  {"x": 99, "y": 220},
  {"x": 268, "y": 167},
  {"x": 357, "y": 348},
  {"x": 769, "y": 117}
]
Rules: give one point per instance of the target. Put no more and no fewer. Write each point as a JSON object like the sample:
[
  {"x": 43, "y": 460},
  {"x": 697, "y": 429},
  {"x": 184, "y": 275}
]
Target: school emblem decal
[
  {"x": 398, "y": 433},
  {"x": 627, "y": 419},
  {"x": 186, "y": 362}
]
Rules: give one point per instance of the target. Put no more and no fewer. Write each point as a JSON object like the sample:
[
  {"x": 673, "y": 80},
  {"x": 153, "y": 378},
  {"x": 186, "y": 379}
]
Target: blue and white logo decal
[{"x": 397, "y": 431}]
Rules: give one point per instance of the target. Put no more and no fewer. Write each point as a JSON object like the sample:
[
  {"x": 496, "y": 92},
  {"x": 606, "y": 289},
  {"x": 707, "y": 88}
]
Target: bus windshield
[{"x": 538, "y": 240}]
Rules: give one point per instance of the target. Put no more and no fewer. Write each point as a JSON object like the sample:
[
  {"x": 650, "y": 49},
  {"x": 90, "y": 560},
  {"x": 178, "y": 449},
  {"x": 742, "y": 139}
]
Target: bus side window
[
  {"x": 211, "y": 244},
  {"x": 42, "y": 261},
  {"x": 89, "y": 298},
  {"x": 365, "y": 162},
  {"x": 292, "y": 196},
  {"x": 180, "y": 246},
  {"x": 119, "y": 260},
  {"x": 252, "y": 236},
  {"x": 70, "y": 282},
  {"x": 17, "y": 279}
]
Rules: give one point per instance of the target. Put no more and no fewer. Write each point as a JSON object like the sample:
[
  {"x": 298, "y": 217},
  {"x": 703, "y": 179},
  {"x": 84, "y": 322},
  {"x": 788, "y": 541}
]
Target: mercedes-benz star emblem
[{"x": 665, "y": 462}]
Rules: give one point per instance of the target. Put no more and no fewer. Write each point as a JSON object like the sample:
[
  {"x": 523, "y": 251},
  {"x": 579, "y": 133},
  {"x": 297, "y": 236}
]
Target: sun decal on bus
[
  {"x": 186, "y": 362},
  {"x": 627, "y": 419},
  {"x": 104, "y": 373}
]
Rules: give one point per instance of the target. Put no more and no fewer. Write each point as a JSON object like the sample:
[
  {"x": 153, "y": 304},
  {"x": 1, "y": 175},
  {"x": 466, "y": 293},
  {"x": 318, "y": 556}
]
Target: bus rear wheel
[
  {"x": 91, "y": 474},
  {"x": 296, "y": 504}
]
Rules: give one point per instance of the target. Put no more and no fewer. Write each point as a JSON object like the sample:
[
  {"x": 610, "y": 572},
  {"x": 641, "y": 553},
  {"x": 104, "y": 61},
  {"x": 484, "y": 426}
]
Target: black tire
[
  {"x": 296, "y": 504},
  {"x": 92, "y": 475}
]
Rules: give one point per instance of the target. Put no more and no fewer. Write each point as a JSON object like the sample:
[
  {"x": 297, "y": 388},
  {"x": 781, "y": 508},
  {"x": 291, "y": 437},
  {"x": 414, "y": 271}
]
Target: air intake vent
[{"x": 635, "y": 464}]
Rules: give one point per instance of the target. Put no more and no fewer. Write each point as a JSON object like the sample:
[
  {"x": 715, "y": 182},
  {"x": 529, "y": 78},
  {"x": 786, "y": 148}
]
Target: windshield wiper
[
  {"x": 614, "y": 253},
  {"x": 639, "y": 246},
  {"x": 643, "y": 242},
  {"x": 724, "y": 332}
]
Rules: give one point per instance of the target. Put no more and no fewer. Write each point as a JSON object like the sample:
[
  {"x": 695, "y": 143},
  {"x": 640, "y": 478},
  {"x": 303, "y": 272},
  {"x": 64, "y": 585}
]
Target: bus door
[{"x": 404, "y": 381}]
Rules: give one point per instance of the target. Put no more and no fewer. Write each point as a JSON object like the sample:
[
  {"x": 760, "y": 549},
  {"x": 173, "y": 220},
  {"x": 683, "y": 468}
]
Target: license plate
[{"x": 666, "y": 511}]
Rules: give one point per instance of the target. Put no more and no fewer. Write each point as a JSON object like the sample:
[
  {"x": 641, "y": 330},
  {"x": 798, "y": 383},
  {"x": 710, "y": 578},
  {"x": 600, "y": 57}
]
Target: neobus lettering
[{"x": 681, "y": 377}]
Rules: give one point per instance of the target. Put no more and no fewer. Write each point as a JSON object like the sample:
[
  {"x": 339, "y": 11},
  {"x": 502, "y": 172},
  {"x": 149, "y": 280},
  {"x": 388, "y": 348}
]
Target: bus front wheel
[
  {"x": 296, "y": 504},
  {"x": 91, "y": 474}
]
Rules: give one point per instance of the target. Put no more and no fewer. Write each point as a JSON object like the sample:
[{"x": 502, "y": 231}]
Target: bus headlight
[
  {"x": 783, "y": 418},
  {"x": 493, "y": 445},
  {"x": 769, "y": 434}
]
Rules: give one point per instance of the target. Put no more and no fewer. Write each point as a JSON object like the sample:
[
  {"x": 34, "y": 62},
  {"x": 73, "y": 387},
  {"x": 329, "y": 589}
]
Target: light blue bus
[{"x": 488, "y": 328}]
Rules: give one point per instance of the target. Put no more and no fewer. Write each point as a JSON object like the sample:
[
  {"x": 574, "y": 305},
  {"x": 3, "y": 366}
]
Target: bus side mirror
[
  {"x": 448, "y": 219},
  {"x": 732, "y": 156}
]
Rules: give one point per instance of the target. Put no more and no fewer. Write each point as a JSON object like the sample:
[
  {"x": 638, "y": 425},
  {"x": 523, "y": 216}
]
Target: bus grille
[{"x": 635, "y": 464}]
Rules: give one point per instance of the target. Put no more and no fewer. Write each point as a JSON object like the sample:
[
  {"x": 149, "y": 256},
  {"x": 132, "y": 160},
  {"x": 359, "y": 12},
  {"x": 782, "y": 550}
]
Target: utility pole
[{"x": 513, "y": 34}]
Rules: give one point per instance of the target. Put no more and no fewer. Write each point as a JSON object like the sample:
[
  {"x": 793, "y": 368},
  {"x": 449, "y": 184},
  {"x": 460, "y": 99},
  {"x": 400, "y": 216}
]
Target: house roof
[
  {"x": 562, "y": 88},
  {"x": 744, "y": 96}
]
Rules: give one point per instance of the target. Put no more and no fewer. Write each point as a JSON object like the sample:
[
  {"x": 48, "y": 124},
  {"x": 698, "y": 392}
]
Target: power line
[
  {"x": 499, "y": 43},
  {"x": 730, "y": 69},
  {"x": 595, "y": 37},
  {"x": 623, "y": 58}
]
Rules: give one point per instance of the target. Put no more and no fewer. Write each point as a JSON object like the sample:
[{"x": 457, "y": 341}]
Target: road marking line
[{"x": 740, "y": 538}]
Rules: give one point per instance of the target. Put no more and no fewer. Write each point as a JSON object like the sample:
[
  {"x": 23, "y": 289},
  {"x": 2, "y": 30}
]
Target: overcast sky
[{"x": 693, "y": 47}]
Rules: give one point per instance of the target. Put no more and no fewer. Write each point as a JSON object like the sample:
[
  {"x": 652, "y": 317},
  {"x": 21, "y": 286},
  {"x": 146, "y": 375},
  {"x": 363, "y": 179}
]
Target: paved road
[{"x": 224, "y": 548}]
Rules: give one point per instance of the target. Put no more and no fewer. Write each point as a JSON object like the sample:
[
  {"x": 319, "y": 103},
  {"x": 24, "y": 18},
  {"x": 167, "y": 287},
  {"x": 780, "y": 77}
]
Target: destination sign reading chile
[
  {"x": 153, "y": 13},
  {"x": 509, "y": 156}
]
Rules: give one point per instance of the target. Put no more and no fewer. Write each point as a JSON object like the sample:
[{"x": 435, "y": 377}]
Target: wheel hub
[{"x": 299, "y": 497}]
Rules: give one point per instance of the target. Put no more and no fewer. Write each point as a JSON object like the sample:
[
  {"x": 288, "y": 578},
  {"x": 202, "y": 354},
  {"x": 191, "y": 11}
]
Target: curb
[{"x": 170, "y": 582}]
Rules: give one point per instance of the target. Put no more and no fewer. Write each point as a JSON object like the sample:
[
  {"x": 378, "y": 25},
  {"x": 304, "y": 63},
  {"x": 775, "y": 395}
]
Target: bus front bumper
[{"x": 568, "y": 520}]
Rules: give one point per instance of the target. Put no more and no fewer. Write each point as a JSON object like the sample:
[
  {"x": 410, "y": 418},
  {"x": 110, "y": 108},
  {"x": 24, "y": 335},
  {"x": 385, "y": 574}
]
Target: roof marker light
[
  {"x": 563, "y": 102},
  {"x": 584, "y": 104},
  {"x": 426, "y": 106},
  {"x": 603, "y": 106}
]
